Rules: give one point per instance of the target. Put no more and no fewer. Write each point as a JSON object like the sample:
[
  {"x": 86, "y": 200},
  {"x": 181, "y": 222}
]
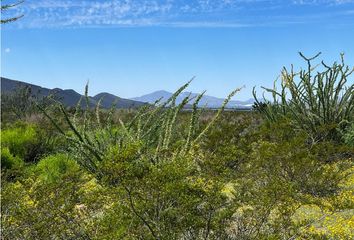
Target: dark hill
[
  {"x": 108, "y": 99},
  {"x": 68, "y": 97}
]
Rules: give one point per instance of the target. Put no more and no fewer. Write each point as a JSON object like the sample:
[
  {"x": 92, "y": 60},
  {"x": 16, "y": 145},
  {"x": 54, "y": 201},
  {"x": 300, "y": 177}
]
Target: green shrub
[
  {"x": 348, "y": 136},
  {"x": 50, "y": 203},
  {"x": 26, "y": 141},
  {"x": 8, "y": 161},
  {"x": 53, "y": 167},
  {"x": 21, "y": 141}
]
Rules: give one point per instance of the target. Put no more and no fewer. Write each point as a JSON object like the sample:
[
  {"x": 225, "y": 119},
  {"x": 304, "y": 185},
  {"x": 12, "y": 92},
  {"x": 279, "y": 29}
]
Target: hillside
[{"x": 69, "y": 97}]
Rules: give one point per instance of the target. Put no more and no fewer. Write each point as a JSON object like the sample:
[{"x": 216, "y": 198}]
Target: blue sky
[{"x": 134, "y": 47}]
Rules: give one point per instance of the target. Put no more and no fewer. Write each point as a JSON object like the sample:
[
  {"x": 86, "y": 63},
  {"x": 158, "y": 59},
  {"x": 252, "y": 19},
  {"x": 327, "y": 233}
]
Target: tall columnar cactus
[{"x": 318, "y": 99}]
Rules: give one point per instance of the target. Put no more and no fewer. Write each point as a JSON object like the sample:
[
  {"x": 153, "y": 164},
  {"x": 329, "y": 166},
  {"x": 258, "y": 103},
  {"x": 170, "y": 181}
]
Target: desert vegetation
[{"x": 284, "y": 170}]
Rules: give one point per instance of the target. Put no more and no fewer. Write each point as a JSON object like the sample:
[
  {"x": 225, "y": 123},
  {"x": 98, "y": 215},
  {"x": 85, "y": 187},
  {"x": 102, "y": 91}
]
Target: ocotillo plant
[
  {"x": 5, "y": 7},
  {"x": 151, "y": 128},
  {"x": 316, "y": 100}
]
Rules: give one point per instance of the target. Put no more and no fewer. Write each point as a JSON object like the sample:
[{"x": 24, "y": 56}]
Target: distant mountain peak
[
  {"x": 162, "y": 92},
  {"x": 70, "y": 97},
  {"x": 206, "y": 101},
  {"x": 105, "y": 94}
]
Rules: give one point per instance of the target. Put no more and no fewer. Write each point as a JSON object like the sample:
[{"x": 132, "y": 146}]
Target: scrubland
[{"x": 284, "y": 170}]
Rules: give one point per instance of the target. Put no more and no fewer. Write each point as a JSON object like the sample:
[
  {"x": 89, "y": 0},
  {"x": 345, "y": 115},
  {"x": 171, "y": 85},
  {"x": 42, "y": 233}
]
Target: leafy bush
[
  {"x": 34, "y": 208},
  {"x": 8, "y": 161},
  {"x": 22, "y": 141},
  {"x": 330, "y": 218},
  {"x": 54, "y": 167},
  {"x": 26, "y": 141},
  {"x": 348, "y": 136},
  {"x": 276, "y": 172},
  {"x": 319, "y": 99}
]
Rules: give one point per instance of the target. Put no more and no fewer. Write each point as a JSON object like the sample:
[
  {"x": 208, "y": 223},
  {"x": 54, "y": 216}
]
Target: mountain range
[
  {"x": 205, "y": 101},
  {"x": 70, "y": 97}
]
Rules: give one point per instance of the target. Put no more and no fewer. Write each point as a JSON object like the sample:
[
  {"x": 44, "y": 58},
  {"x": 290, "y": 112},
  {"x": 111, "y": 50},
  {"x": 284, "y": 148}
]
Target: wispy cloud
[
  {"x": 176, "y": 13},
  {"x": 323, "y": 2}
]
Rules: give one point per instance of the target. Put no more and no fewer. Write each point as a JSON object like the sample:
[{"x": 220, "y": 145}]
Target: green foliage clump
[
  {"x": 54, "y": 201},
  {"x": 310, "y": 169},
  {"x": 330, "y": 218},
  {"x": 54, "y": 167},
  {"x": 24, "y": 141},
  {"x": 8, "y": 161},
  {"x": 276, "y": 172},
  {"x": 348, "y": 136}
]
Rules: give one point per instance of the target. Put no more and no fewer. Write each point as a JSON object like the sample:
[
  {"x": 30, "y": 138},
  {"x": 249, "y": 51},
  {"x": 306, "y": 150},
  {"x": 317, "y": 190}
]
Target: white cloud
[
  {"x": 182, "y": 13},
  {"x": 318, "y": 2},
  {"x": 7, "y": 50}
]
